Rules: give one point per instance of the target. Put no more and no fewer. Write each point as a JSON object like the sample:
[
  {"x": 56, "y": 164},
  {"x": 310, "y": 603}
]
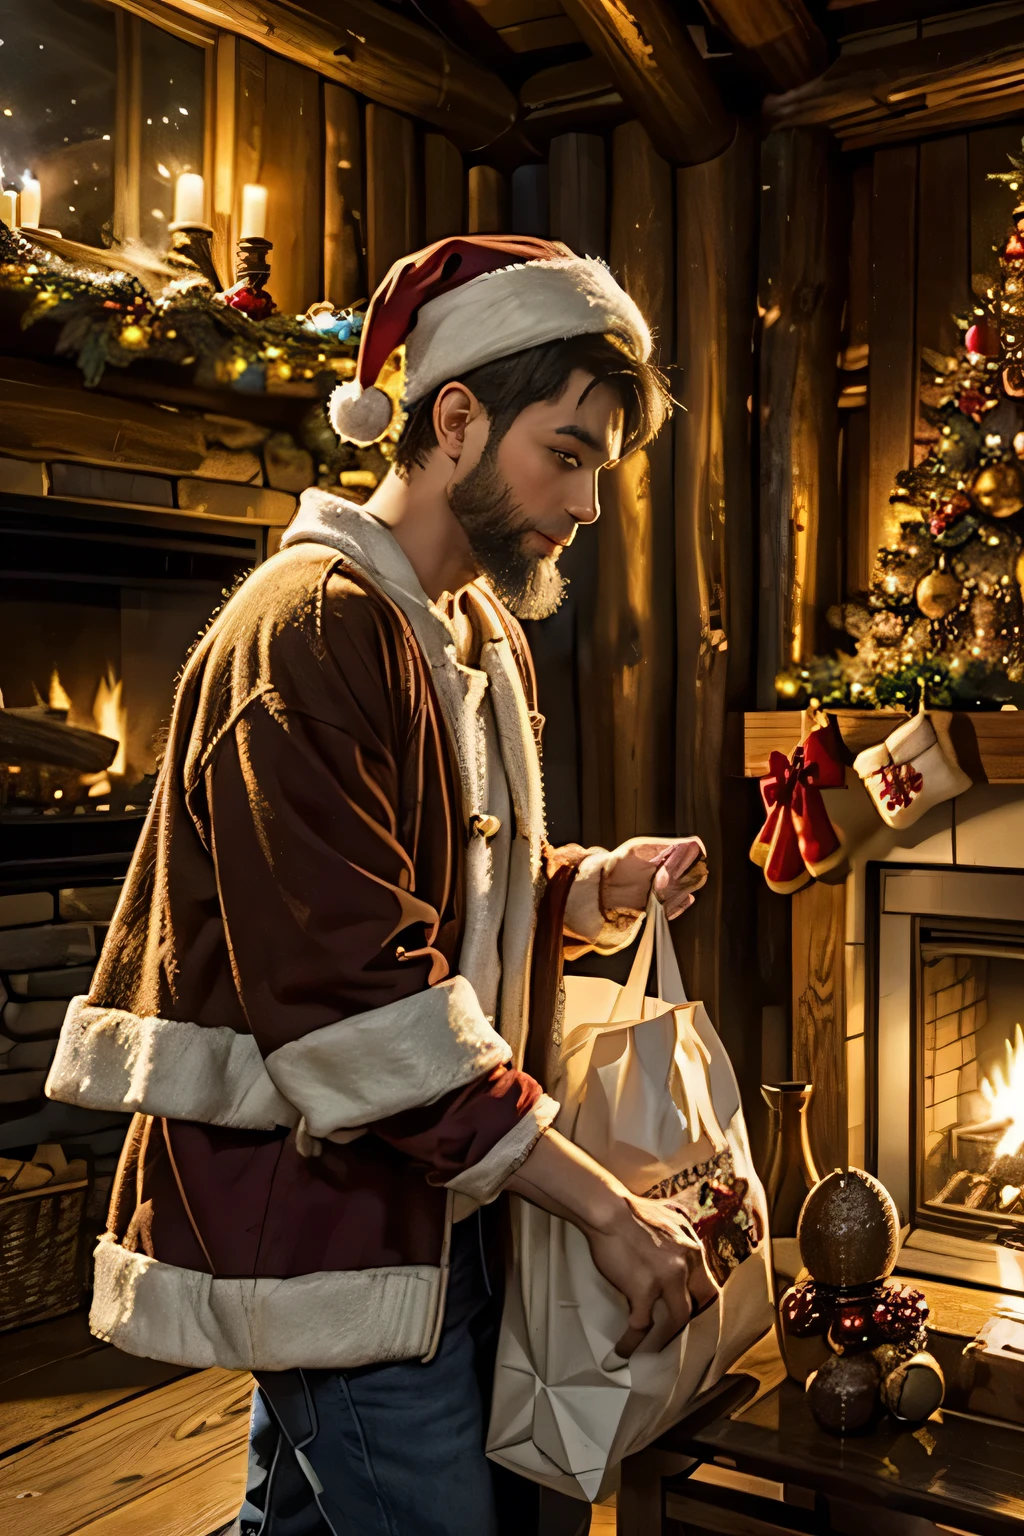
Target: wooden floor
[{"x": 97, "y": 1443}]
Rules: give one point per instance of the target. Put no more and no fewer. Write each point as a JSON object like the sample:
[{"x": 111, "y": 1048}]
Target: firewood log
[{"x": 38, "y": 738}]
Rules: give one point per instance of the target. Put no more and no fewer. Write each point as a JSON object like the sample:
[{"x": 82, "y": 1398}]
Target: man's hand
[
  {"x": 651, "y": 1255},
  {"x": 673, "y": 866},
  {"x": 645, "y": 1248}
]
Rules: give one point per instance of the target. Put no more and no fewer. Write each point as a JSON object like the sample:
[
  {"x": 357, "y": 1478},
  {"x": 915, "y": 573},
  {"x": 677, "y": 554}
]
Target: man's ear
[{"x": 454, "y": 409}]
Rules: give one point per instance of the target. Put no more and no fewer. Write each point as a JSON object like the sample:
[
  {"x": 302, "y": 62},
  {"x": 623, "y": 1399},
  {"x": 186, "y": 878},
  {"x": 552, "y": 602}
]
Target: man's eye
[{"x": 566, "y": 458}]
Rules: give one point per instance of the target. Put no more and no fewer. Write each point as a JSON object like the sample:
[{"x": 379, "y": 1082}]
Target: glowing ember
[{"x": 1003, "y": 1092}]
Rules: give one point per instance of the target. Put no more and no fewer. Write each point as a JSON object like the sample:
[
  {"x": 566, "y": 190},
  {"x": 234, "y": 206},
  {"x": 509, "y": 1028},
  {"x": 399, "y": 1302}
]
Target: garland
[{"x": 110, "y": 319}]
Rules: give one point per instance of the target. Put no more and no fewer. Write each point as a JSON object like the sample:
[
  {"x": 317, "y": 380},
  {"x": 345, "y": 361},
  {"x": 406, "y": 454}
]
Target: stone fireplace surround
[{"x": 963, "y": 859}]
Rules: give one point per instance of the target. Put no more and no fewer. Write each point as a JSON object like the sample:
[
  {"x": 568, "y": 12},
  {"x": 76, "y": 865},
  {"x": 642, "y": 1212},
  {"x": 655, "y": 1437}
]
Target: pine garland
[{"x": 110, "y": 319}]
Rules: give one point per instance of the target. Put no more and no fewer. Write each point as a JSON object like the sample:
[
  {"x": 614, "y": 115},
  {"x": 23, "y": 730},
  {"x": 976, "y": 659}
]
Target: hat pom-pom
[{"x": 360, "y": 416}]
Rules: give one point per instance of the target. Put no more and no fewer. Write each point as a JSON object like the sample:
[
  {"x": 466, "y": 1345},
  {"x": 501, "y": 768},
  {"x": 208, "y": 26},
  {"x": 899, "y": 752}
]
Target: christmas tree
[{"x": 943, "y": 622}]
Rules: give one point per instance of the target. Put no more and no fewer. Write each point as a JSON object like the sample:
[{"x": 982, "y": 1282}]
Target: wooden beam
[
  {"x": 905, "y": 90},
  {"x": 486, "y": 201},
  {"x": 443, "y": 189},
  {"x": 819, "y": 1014},
  {"x": 344, "y": 197},
  {"x": 716, "y": 208},
  {"x": 893, "y": 364},
  {"x": 576, "y": 164},
  {"x": 376, "y": 52},
  {"x": 800, "y": 291},
  {"x": 779, "y": 36},
  {"x": 280, "y": 144},
  {"x": 657, "y": 68},
  {"x": 634, "y": 629},
  {"x": 392, "y": 186}
]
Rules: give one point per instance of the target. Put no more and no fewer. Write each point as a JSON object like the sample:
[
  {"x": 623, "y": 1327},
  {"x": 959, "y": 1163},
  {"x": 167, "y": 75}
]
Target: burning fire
[
  {"x": 109, "y": 717},
  {"x": 1003, "y": 1092}
]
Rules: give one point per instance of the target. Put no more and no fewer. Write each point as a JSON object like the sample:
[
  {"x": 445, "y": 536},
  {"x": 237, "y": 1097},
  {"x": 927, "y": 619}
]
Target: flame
[
  {"x": 59, "y": 696},
  {"x": 1003, "y": 1092},
  {"x": 111, "y": 718}
]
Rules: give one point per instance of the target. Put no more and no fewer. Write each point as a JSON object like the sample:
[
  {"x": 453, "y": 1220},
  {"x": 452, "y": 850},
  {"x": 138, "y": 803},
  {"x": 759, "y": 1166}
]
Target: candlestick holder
[
  {"x": 249, "y": 294},
  {"x": 190, "y": 252}
]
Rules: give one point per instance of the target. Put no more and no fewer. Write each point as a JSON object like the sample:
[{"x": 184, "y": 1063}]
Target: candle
[
  {"x": 189, "y": 199},
  {"x": 9, "y": 209},
  {"x": 31, "y": 202},
  {"x": 254, "y": 211}
]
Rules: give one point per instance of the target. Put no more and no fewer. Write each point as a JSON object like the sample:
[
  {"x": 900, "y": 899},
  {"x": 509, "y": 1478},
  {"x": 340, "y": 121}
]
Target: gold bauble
[
  {"x": 997, "y": 490},
  {"x": 1019, "y": 572},
  {"x": 938, "y": 594}
]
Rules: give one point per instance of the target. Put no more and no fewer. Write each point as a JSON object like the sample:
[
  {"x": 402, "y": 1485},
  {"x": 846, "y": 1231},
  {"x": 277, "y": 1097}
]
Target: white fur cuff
[
  {"x": 109, "y": 1059},
  {"x": 402, "y": 1056},
  {"x": 585, "y": 918},
  {"x": 331, "y": 1320}
]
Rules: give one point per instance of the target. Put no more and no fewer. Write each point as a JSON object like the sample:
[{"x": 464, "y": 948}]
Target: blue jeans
[{"x": 395, "y": 1450}]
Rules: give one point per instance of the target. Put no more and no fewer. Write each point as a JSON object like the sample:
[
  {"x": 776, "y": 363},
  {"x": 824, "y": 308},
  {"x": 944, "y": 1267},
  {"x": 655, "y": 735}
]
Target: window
[
  {"x": 172, "y": 90},
  {"x": 58, "y": 105}
]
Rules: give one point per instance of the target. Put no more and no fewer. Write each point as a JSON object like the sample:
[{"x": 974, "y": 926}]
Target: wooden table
[{"x": 957, "y": 1470}]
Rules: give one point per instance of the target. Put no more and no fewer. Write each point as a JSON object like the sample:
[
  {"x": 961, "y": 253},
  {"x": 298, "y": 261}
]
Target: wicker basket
[{"x": 41, "y": 1271}]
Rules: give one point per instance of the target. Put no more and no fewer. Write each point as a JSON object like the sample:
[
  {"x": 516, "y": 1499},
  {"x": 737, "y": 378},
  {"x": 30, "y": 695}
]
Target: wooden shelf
[{"x": 989, "y": 744}]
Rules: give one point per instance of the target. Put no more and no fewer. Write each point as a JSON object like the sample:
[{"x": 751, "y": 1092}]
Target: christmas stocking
[
  {"x": 798, "y": 840},
  {"x": 913, "y": 769}
]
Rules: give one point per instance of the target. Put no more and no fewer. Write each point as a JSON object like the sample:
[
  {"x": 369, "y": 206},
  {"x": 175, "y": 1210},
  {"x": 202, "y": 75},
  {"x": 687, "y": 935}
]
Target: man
[{"x": 343, "y": 919}]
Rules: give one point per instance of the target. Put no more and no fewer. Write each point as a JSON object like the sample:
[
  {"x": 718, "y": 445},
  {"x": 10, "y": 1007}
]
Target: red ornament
[
  {"x": 254, "y": 302},
  {"x": 972, "y": 403},
  {"x": 948, "y": 513},
  {"x": 1013, "y": 250},
  {"x": 982, "y": 339},
  {"x": 851, "y": 1326}
]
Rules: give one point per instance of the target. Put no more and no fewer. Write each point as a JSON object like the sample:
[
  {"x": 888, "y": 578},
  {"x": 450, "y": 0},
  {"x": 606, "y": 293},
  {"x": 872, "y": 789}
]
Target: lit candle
[
  {"x": 189, "y": 199},
  {"x": 31, "y": 202},
  {"x": 9, "y": 209},
  {"x": 254, "y": 211}
]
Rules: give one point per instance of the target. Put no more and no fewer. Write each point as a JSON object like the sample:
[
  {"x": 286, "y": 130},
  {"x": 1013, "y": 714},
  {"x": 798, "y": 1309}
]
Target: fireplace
[
  {"x": 99, "y": 606},
  {"x": 946, "y": 1116},
  {"x": 98, "y": 609}
]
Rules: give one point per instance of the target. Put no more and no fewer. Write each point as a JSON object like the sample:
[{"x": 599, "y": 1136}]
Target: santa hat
[{"x": 470, "y": 300}]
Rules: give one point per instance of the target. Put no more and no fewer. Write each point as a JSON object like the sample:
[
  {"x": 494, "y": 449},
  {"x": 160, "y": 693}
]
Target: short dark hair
[{"x": 507, "y": 386}]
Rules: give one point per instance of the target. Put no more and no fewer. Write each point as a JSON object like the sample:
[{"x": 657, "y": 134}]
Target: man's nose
[{"x": 587, "y": 509}]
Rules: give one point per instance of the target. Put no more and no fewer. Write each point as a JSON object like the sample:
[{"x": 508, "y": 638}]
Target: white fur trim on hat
[
  {"x": 360, "y": 416},
  {"x": 505, "y": 312}
]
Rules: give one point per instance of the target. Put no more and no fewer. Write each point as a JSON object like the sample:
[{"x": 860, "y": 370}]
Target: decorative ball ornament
[
  {"x": 1019, "y": 571},
  {"x": 998, "y": 490},
  {"x": 843, "y": 1392},
  {"x": 981, "y": 339},
  {"x": 914, "y": 1388},
  {"x": 938, "y": 594},
  {"x": 849, "y": 1228}
]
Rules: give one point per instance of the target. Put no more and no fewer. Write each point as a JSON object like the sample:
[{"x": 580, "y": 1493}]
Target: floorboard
[
  {"x": 66, "y": 1481},
  {"x": 94, "y": 1442}
]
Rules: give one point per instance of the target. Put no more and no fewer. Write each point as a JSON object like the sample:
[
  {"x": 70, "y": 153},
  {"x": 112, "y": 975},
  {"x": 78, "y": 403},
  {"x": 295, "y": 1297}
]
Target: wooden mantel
[{"x": 989, "y": 743}]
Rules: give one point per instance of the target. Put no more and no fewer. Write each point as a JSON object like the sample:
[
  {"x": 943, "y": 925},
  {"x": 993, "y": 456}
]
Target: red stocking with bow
[{"x": 798, "y": 840}]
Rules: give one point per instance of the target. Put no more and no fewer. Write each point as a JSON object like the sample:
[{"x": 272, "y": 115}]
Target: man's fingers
[{"x": 629, "y": 1342}]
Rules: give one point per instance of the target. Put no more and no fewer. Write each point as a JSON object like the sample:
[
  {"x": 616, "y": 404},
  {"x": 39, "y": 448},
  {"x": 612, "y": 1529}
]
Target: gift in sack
[
  {"x": 647, "y": 1089},
  {"x": 913, "y": 769}
]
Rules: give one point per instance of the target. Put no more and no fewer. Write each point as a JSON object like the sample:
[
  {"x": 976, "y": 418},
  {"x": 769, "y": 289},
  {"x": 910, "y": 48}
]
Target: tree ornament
[
  {"x": 1019, "y": 572},
  {"x": 843, "y": 1392},
  {"x": 849, "y": 1229},
  {"x": 914, "y": 1388},
  {"x": 981, "y": 339},
  {"x": 938, "y": 593},
  {"x": 949, "y": 512},
  {"x": 998, "y": 490}
]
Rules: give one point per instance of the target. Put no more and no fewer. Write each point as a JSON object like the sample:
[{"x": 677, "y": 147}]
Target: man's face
[{"x": 521, "y": 500}]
